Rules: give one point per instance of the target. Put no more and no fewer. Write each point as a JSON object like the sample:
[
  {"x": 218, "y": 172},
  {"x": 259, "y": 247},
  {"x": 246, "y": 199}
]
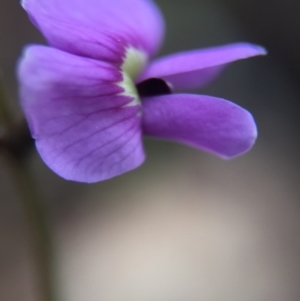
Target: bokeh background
[{"x": 185, "y": 225}]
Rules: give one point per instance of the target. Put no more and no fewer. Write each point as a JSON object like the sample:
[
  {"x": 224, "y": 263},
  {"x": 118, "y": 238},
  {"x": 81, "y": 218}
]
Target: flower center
[
  {"x": 134, "y": 62},
  {"x": 153, "y": 87}
]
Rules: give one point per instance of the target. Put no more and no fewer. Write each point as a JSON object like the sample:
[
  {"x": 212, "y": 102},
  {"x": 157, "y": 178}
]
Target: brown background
[{"x": 186, "y": 225}]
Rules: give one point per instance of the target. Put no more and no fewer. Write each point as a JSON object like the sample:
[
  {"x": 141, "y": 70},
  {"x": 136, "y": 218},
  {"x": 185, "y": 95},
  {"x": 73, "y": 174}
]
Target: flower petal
[
  {"x": 98, "y": 28},
  {"x": 193, "y": 69},
  {"x": 84, "y": 127},
  {"x": 209, "y": 123}
]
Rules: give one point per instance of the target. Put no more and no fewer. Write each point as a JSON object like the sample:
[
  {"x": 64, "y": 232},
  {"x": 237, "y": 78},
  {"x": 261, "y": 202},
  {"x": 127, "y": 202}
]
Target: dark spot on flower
[{"x": 153, "y": 87}]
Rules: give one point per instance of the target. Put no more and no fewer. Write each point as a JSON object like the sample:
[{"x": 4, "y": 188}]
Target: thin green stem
[
  {"x": 4, "y": 110},
  {"x": 38, "y": 220},
  {"x": 15, "y": 142}
]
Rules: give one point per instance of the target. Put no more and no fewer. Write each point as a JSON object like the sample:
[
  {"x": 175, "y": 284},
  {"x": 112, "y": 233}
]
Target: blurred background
[{"x": 185, "y": 225}]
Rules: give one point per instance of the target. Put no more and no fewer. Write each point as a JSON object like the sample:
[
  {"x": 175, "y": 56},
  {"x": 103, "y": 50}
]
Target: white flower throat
[{"x": 134, "y": 62}]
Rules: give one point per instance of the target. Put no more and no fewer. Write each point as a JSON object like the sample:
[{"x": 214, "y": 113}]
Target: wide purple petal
[
  {"x": 85, "y": 128},
  {"x": 209, "y": 123},
  {"x": 193, "y": 69},
  {"x": 98, "y": 28}
]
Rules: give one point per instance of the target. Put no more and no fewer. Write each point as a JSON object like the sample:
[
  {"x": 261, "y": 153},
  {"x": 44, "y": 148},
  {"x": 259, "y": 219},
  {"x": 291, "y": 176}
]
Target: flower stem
[
  {"x": 38, "y": 224},
  {"x": 15, "y": 142},
  {"x": 4, "y": 111}
]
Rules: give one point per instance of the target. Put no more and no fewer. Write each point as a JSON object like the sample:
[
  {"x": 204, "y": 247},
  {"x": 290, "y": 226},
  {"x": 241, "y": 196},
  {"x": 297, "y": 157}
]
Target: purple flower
[{"x": 91, "y": 95}]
